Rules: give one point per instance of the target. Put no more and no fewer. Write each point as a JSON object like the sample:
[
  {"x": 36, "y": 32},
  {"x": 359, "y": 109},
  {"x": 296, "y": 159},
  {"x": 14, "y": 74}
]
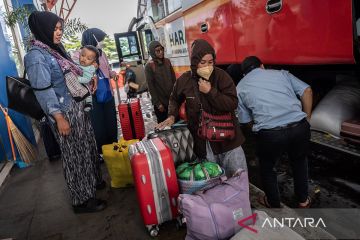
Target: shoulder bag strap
[{"x": 24, "y": 76}]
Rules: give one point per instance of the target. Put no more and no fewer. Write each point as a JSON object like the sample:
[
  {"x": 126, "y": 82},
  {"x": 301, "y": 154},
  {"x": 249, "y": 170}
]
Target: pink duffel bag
[{"x": 215, "y": 213}]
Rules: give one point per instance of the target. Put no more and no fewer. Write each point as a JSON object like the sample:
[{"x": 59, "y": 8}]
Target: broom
[{"x": 26, "y": 149}]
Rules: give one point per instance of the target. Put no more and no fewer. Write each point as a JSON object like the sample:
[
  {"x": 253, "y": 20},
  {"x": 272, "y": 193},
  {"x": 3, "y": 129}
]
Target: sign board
[{"x": 175, "y": 39}]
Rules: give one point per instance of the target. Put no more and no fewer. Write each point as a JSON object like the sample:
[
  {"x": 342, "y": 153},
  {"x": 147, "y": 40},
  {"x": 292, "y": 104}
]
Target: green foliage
[
  {"x": 17, "y": 15},
  {"x": 110, "y": 49},
  {"x": 20, "y": 16},
  {"x": 72, "y": 43},
  {"x": 72, "y": 27}
]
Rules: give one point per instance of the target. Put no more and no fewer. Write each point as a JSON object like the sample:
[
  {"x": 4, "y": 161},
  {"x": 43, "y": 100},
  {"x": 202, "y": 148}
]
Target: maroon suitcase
[
  {"x": 131, "y": 119},
  {"x": 350, "y": 131}
]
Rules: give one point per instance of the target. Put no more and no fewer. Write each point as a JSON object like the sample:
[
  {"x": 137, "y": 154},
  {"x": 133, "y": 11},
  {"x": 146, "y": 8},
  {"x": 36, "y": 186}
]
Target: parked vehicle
[{"x": 316, "y": 40}]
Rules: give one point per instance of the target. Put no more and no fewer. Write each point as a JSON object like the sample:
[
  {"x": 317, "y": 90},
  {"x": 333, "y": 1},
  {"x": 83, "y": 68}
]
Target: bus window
[
  {"x": 173, "y": 5},
  {"x": 132, "y": 44},
  {"x": 124, "y": 44},
  {"x": 156, "y": 9},
  {"x": 127, "y": 46}
]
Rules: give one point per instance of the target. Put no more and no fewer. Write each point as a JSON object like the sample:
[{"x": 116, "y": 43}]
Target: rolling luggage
[
  {"x": 180, "y": 141},
  {"x": 350, "y": 131},
  {"x": 131, "y": 118},
  {"x": 155, "y": 182},
  {"x": 117, "y": 161},
  {"x": 52, "y": 147}
]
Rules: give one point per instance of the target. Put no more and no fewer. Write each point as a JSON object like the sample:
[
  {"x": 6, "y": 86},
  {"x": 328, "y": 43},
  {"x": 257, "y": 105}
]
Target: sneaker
[
  {"x": 90, "y": 206},
  {"x": 101, "y": 159}
]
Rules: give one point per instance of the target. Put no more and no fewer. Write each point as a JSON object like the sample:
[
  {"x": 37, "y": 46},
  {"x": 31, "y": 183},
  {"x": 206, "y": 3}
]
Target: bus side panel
[
  {"x": 216, "y": 15},
  {"x": 302, "y": 32}
]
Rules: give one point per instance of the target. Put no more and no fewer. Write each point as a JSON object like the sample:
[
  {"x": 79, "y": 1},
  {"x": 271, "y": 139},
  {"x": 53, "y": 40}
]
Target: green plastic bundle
[{"x": 198, "y": 171}]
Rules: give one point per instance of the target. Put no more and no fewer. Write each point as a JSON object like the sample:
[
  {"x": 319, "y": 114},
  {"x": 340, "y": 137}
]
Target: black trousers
[
  {"x": 161, "y": 116},
  {"x": 271, "y": 144},
  {"x": 103, "y": 119}
]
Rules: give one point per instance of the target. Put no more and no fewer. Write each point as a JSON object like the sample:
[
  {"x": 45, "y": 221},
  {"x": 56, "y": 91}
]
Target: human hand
[
  {"x": 63, "y": 125},
  {"x": 204, "y": 86},
  {"x": 167, "y": 123},
  {"x": 161, "y": 108},
  {"x": 116, "y": 77},
  {"x": 96, "y": 65}
]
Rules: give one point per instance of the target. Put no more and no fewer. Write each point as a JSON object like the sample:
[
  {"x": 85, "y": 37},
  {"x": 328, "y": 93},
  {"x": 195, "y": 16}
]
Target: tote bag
[{"x": 103, "y": 91}]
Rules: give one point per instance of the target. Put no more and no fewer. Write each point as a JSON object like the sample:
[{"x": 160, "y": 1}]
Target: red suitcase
[
  {"x": 131, "y": 119},
  {"x": 350, "y": 131},
  {"x": 155, "y": 182}
]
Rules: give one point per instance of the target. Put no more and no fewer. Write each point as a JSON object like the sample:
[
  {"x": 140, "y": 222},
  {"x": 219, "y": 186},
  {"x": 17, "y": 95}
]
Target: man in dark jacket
[{"x": 160, "y": 78}]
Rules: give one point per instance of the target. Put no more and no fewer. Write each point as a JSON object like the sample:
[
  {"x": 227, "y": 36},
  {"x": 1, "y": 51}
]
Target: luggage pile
[
  {"x": 157, "y": 180},
  {"x": 117, "y": 161}
]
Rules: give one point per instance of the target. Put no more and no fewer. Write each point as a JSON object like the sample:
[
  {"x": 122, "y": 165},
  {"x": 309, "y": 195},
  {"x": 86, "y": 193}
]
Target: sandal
[
  {"x": 308, "y": 205},
  {"x": 263, "y": 201}
]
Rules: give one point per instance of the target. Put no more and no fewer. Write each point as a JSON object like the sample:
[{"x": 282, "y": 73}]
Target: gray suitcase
[{"x": 180, "y": 141}]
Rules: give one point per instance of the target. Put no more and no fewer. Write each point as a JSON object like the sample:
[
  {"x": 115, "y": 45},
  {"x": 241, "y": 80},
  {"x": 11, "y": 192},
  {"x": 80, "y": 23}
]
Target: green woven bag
[{"x": 198, "y": 171}]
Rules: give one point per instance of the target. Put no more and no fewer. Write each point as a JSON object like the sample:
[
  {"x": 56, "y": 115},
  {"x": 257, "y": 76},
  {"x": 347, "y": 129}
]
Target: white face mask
[
  {"x": 205, "y": 72},
  {"x": 99, "y": 45}
]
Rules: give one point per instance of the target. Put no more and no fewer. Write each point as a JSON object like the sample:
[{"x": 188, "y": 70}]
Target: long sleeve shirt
[{"x": 43, "y": 70}]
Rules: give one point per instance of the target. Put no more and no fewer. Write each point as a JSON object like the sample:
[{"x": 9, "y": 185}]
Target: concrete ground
[{"x": 34, "y": 204}]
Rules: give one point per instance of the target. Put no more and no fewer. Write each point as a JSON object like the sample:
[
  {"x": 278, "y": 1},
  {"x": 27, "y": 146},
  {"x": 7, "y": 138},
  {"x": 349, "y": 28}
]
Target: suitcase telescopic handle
[{"x": 117, "y": 90}]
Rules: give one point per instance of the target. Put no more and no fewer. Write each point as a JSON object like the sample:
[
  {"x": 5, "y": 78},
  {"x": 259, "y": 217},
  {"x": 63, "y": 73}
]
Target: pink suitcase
[{"x": 155, "y": 182}]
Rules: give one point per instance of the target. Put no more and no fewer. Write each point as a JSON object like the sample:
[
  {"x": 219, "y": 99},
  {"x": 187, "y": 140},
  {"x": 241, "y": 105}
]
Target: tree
[
  {"x": 20, "y": 15},
  {"x": 72, "y": 43},
  {"x": 110, "y": 49}
]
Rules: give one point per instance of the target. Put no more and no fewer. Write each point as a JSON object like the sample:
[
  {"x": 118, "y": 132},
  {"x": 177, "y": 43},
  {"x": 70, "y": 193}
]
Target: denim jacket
[{"x": 43, "y": 70}]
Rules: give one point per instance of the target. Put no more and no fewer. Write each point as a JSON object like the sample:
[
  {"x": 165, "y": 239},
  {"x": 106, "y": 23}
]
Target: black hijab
[
  {"x": 42, "y": 25},
  {"x": 89, "y": 39}
]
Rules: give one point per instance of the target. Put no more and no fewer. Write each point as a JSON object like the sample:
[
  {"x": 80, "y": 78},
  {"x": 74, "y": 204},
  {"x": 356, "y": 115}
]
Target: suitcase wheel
[
  {"x": 153, "y": 231},
  {"x": 179, "y": 223}
]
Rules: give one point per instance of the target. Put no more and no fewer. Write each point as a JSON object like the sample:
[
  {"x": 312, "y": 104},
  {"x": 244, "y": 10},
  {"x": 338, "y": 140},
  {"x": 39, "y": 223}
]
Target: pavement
[{"x": 34, "y": 204}]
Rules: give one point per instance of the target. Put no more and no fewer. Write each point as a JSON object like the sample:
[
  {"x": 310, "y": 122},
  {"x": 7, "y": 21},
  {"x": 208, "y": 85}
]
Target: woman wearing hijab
[
  {"x": 45, "y": 64},
  {"x": 213, "y": 90},
  {"x": 103, "y": 115}
]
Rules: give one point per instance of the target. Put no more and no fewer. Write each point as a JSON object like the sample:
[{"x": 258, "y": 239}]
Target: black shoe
[
  {"x": 101, "y": 185},
  {"x": 90, "y": 206},
  {"x": 101, "y": 159}
]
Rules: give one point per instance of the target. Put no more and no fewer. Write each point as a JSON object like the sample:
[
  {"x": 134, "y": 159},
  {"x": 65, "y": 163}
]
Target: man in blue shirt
[{"x": 278, "y": 105}]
